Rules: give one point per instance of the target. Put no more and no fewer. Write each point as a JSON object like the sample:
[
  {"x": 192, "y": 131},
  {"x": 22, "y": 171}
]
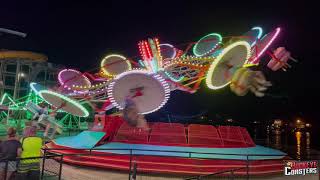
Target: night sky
[{"x": 78, "y": 35}]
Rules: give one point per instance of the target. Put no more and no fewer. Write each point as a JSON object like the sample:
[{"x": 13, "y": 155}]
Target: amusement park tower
[{"x": 19, "y": 68}]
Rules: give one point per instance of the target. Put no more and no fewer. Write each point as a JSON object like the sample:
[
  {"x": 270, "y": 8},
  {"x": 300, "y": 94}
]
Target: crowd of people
[{"x": 19, "y": 157}]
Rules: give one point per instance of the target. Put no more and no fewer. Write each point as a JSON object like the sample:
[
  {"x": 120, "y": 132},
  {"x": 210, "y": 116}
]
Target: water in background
[{"x": 301, "y": 145}]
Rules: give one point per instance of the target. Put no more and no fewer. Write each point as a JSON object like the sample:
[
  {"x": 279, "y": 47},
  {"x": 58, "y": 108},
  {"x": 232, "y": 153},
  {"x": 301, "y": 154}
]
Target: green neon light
[
  {"x": 5, "y": 95},
  {"x": 197, "y": 53},
  {"x": 71, "y": 101},
  {"x": 4, "y": 113},
  {"x": 20, "y": 105},
  {"x": 29, "y": 96},
  {"x": 2, "y": 99},
  {"x": 154, "y": 65},
  {"x": 141, "y": 63},
  {"x": 173, "y": 78}
]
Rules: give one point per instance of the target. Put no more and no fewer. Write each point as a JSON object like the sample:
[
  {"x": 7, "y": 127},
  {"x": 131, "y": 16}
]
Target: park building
[{"x": 19, "y": 68}]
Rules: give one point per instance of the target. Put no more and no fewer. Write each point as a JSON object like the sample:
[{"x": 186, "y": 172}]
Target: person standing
[
  {"x": 29, "y": 167},
  {"x": 10, "y": 150}
]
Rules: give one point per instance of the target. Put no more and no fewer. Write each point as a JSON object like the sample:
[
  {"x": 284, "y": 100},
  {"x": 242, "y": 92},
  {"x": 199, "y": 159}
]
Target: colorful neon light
[
  {"x": 79, "y": 75},
  {"x": 173, "y": 78},
  {"x": 158, "y": 77},
  {"x": 65, "y": 98},
  {"x": 215, "y": 62},
  {"x": 255, "y": 59},
  {"x": 146, "y": 55},
  {"x": 197, "y": 53},
  {"x": 150, "y": 53},
  {"x": 260, "y": 31},
  {"x": 170, "y": 46},
  {"x": 103, "y": 68},
  {"x": 5, "y": 95},
  {"x": 158, "y": 53},
  {"x": 141, "y": 63},
  {"x": 35, "y": 87},
  {"x": 186, "y": 61}
]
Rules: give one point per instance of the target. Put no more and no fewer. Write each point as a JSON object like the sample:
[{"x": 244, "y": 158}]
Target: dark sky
[{"x": 79, "y": 34}]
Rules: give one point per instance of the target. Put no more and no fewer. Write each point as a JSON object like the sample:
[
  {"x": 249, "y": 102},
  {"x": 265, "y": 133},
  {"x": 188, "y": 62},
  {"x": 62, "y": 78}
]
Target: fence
[
  {"x": 133, "y": 171},
  {"x": 230, "y": 173},
  {"x": 42, "y": 167}
]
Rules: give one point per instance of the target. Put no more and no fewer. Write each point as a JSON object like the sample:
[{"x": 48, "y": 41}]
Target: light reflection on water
[
  {"x": 298, "y": 144},
  {"x": 298, "y": 138},
  {"x": 308, "y": 144},
  {"x": 278, "y": 143}
]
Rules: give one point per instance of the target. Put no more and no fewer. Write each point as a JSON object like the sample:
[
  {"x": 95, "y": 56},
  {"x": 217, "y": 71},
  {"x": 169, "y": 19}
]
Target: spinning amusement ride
[
  {"x": 141, "y": 86},
  {"x": 163, "y": 68}
]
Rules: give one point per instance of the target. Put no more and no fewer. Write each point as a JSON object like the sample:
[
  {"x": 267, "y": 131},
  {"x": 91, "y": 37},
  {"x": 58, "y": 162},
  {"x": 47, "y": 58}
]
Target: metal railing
[
  {"x": 48, "y": 165},
  {"x": 133, "y": 171},
  {"x": 50, "y": 170},
  {"x": 231, "y": 171},
  {"x": 184, "y": 154}
]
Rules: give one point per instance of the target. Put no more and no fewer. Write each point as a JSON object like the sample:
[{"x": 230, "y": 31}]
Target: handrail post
[
  {"x": 60, "y": 168},
  {"x": 43, "y": 162},
  {"x": 134, "y": 175},
  {"x": 248, "y": 166},
  {"x": 232, "y": 175},
  {"x": 130, "y": 164}
]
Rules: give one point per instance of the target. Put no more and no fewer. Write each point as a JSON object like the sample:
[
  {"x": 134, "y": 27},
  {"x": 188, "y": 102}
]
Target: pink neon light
[
  {"x": 255, "y": 60},
  {"x": 63, "y": 82}
]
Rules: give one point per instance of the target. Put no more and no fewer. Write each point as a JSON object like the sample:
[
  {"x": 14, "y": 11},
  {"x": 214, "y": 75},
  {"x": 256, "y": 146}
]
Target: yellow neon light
[
  {"x": 221, "y": 55},
  {"x": 103, "y": 68}
]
